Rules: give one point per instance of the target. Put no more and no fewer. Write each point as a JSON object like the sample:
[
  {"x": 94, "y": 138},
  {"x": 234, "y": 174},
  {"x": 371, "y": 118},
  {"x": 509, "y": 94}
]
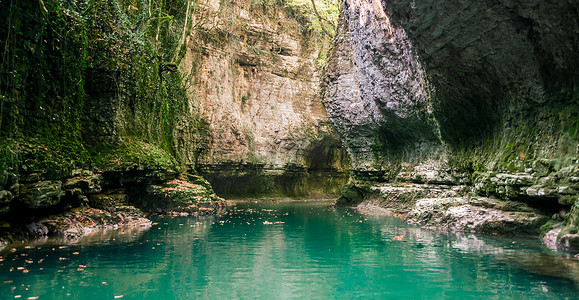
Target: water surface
[{"x": 287, "y": 249}]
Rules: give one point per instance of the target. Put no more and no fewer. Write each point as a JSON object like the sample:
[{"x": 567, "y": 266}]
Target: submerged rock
[{"x": 546, "y": 265}]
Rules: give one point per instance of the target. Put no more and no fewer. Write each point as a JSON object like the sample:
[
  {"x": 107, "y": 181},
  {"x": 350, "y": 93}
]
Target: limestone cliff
[
  {"x": 254, "y": 77},
  {"x": 461, "y": 100}
]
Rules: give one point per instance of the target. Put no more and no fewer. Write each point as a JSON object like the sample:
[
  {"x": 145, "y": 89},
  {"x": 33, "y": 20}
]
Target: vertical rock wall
[
  {"x": 377, "y": 92},
  {"x": 254, "y": 77},
  {"x": 460, "y": 99}
]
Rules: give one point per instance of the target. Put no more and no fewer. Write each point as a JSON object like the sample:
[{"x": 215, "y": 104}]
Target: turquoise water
[{"x": 286, "y": 250}]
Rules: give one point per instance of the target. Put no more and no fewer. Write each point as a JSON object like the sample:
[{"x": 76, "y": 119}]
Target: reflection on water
[{"x": 287, "y": 250}]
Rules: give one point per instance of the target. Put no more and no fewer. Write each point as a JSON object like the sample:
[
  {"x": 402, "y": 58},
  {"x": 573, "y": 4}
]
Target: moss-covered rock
[
  {"x": 568, "y": 240},
  {"x": 183, "y": 196},
  {"x": 41, "y": 194}
]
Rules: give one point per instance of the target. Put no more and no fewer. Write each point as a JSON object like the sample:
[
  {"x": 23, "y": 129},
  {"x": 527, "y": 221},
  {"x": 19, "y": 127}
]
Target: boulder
[{"x": 475, "y": 215}]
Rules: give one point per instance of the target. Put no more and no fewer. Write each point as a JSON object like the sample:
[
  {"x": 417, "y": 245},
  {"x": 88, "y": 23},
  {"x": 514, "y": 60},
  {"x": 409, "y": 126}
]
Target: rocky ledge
[
  {"x": 539, "y": 202},
  {"x": 67, "y": 203},
  {"x": 74, "y": 224}
]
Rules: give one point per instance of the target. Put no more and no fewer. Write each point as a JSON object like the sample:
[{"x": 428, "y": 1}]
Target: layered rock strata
[
  {"x": 255, "y": 79},
  {"x": 458, "y": 101},
  {"x": 69, "y": 204}
]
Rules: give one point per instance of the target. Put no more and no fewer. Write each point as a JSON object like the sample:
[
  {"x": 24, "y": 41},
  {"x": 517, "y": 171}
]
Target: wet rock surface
[
  {"x": 475, "y": 215},
  {"x": 79, "y": 222},
  {"x": 41, "y": 194}
]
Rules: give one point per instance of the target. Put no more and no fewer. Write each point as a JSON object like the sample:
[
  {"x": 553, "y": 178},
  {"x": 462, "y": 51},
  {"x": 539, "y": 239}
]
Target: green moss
[
  {"x": 352, "y": 194},
  {"x": 133, "y": 151},
  {"x": 179, "y": 195},
  {"x": 245, "y": 98},
  {"x": 568, "y": 230},
  {"x": 50, "y": 47},
  {"x": 46, "y": 55},
  {"x": 33, "y": 159},
  {"x": 325, "y": 152},
  {"x": 569, "y": 200},
  {"x": 550, "y": 225},
  {"x": 534, "y": 133}
]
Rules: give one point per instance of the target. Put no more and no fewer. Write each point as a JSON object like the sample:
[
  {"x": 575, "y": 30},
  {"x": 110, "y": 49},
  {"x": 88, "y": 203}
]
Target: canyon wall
[
  {"x": 90, "y": 103},
  {"x": 254, "y": 77},
  {"x": 116, "y": 103},
  {"x": 475, "y": 104}
]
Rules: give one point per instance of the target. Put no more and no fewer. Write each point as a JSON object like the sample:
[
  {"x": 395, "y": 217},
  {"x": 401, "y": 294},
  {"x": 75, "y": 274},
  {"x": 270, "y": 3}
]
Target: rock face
[
  {"x": 476, "y": 215},
  {"x": 95, "y": 111},
  {"x": 255, "y": 80},
  {"x": 376, "y": 93},
  {"x": 41, "y": 194},
  {"x": 479, "y": 99}
]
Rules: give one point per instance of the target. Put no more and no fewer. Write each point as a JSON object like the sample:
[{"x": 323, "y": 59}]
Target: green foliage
[
  {"x": 42, "y": 73},
  {"x": 52, "y": 44},
  {"x": 140, "y": 41},
  {"x": 550, "y": 225},
  {"x": 319, "y": 20},
  {"x": 246, "y": 97},
  {"x": 322, "y": 19},
  {"x": 33, "y": 155}
]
